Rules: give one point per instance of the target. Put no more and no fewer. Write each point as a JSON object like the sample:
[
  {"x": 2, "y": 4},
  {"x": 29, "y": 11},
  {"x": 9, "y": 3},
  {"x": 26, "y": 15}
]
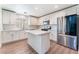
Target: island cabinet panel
[
  {"x": 39, "y": 41},
  {"x": 45, "y": 43}
]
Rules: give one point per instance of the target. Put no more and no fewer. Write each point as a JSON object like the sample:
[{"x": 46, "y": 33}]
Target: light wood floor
[{"x": 21, "y": 47}]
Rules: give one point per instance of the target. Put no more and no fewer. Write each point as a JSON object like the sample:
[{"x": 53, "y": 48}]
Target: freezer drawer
[
  {"x": 72, "y": 42},
  {"x": 61, "y": 40}
]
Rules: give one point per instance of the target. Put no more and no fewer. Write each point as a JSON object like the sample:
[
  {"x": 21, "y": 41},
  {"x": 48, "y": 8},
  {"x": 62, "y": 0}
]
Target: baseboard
[
  {"x": 53, "y": 41},
  {"x": 13, "y": 41}
]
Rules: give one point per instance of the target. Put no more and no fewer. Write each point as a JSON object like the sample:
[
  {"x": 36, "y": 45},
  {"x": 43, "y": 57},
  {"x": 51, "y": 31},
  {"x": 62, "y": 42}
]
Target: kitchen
[{"x": 17, "y": 24}]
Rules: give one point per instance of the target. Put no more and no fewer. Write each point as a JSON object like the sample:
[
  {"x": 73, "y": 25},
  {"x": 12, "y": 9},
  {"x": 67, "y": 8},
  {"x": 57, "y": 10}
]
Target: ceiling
[{"x": 35, "y": 9}]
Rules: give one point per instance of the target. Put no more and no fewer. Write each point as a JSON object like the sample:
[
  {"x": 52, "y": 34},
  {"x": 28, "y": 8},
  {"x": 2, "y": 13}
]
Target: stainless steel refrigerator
[{"x": 67, "y": 31}]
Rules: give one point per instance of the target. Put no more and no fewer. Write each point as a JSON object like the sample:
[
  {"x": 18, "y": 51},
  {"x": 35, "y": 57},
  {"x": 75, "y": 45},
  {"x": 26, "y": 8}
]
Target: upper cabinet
[
  {"x": 12, "y": 18},
  {"x": 33, "y": 21},
  {"x": 72, "y": 10},
  {"x": 40, "y": 21},
  {"x": 8, "y": 17},
  {"x": 53, "y": 19},
  {"x": 5, "y": 17}
]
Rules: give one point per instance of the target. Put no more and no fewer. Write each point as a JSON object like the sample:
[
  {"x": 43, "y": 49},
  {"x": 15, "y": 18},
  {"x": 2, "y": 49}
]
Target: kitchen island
[{"x": 39, "y": 40}]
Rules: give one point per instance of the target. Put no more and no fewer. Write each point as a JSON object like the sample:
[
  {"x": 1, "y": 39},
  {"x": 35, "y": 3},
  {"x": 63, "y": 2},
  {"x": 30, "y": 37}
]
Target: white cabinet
[
  {"x": 53, "y": 19},
  {"x": 26, "y": 23},
  {"x": 12, "y": 18},
  {"x": 53, "y": 32},
  {"x": 5, "y": 17},
  {"x": 72, "y": 10},
  {"x": 23, "y": 35},
  {"x": 10, "y": 36},
  {"x": 8, "y": 17},
  {"x": 7, "y": 37},
  {"x": 51, "y": 36},
  {"x": 16, "y": 35},
  {"x": 33, "y": 21},
  {"x": 40, "y": 21}
]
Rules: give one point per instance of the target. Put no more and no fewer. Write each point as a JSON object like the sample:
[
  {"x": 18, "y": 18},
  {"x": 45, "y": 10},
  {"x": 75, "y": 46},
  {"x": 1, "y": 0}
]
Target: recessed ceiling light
[{"x": 56, "y": 6}]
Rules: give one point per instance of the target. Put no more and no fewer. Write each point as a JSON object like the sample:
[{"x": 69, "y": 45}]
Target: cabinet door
[
  {"x": 33, "y": 21},
  {"x": 26, "y": 23},
  {"x": 13, "y": 18},
  {"x": 51, "y": 36},
  {"x": 7, "y": 37},
  {"x": 40, "y": 21},
  {"x": 72, "y": 42},
  {"x": 16, "y": 35},
  {"x": 53, "y": 19},
  {"x": 23, "y": 35},
  {"x": 6, "y": 17}
]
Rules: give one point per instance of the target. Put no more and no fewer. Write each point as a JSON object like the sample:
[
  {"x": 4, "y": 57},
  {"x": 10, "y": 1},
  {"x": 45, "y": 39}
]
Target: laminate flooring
[{"x": 21, "y": 47}]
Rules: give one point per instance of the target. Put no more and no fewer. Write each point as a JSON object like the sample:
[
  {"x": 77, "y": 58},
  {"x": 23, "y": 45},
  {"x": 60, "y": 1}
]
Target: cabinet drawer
[
  {"x": 72, "y": 42},
  {"x": 62, "y": 40}
]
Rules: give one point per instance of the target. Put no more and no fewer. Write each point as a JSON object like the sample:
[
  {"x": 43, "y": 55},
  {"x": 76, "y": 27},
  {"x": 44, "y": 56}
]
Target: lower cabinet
[
  {"x": 53, "y": 35},
  {"x": 9, "y": 36},
  {"x": 16, "y": 35},
  {"x": 23, "y": 35}
]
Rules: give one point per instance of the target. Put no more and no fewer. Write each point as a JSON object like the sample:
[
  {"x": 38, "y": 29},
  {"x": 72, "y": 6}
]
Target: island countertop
[{"x": 37, "y": 32}]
